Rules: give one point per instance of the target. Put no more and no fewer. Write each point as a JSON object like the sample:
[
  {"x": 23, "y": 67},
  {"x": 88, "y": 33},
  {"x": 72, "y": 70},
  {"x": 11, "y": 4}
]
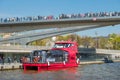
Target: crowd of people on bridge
[{"x": 61, "y": 16}]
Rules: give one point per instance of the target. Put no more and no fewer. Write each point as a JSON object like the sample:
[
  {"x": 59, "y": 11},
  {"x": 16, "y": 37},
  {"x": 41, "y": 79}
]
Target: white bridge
[
  {"x": 63, "y": 26},
  {"x": 59, "y": 23}
]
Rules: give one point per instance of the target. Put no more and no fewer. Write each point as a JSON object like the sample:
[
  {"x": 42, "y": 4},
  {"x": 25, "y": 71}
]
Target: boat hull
[{"x": 46, "y": 66}]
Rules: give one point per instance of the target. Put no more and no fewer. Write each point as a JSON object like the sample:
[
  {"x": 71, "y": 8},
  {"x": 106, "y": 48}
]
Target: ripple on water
[{"x": 110, "y": 71}]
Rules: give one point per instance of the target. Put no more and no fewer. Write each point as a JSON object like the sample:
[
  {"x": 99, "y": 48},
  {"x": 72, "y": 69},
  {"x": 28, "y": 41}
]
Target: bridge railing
[
  {"x": 97, "y": 51},
  {"x": 60, "y": 17},
  {"x": 19, "y": 47},
  {"x": 107, "y": 51}
]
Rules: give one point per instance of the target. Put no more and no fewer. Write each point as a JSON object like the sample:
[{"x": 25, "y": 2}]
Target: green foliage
[
  {"x": 103, "y": 42},
  {"x": 110, "y": 42},
  {"x": 114, "y": 40}
]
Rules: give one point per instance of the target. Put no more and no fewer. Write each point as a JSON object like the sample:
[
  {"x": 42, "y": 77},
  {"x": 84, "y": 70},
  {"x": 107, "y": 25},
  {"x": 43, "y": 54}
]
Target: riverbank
[
  {"x": 11, "y": 66},
  {"x": 91, "y": 62},
  {"x": 14, "y": 66},
  {"x": 95, "y": 62}
]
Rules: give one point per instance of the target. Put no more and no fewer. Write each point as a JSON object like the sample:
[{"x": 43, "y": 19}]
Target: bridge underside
[
  {"x": 63, "y": 26},
  {"x": 26, "y": 38}
]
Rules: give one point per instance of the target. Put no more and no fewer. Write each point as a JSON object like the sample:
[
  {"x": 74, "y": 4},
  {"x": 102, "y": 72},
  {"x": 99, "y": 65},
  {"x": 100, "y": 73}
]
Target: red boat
[{"x": 62, "y": 55}]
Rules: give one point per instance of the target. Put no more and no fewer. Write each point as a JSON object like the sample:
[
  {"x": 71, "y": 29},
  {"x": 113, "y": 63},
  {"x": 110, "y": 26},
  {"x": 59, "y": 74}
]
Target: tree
[
  {"x": 114, "y": 39},
  {"x": 103, "y": 42},
  {"x": 59, "y": 38},
  {"x": 112, "y": 42}
]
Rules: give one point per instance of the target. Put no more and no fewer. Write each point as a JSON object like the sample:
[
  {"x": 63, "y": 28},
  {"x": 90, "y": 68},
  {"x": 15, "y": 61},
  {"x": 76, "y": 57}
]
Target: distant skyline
[{"x": 20, "y": 8}]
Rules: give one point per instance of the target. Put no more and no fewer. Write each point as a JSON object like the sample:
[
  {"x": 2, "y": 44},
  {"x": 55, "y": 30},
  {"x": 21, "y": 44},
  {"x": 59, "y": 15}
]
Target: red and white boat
[{"x": 62, "y": 55}]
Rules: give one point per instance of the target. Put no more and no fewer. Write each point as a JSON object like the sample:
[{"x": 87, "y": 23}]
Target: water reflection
[
  {"x": 61, "y": 74},
  {"x": 83, "y": 72}
]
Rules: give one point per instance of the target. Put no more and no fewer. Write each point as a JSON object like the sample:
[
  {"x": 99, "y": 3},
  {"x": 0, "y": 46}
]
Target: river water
[{"x": 108, "y": 71}]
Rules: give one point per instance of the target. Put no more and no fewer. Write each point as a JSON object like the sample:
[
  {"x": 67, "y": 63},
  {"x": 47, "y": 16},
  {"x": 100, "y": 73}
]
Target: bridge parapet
[
  {"x": 59, "y": 23},
  {"x": 107, "y": 51},
  {"x": 61, "y": 16},
  {"x": 87, "y": 50},
  {"x": 19, "y": 47},
  {"x": 97, "y": 51}
]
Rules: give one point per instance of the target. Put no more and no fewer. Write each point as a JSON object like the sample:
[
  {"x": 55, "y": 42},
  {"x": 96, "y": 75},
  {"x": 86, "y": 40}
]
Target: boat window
[
  {"x": 35, "y": 53},
  {"x": 58, "y": 56},
  {"x": 38, "y": 53},
  {"x": 39, "y": 56},
  {"x": 63, "y": 45},
  {"x": 52, "y": 56}
]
